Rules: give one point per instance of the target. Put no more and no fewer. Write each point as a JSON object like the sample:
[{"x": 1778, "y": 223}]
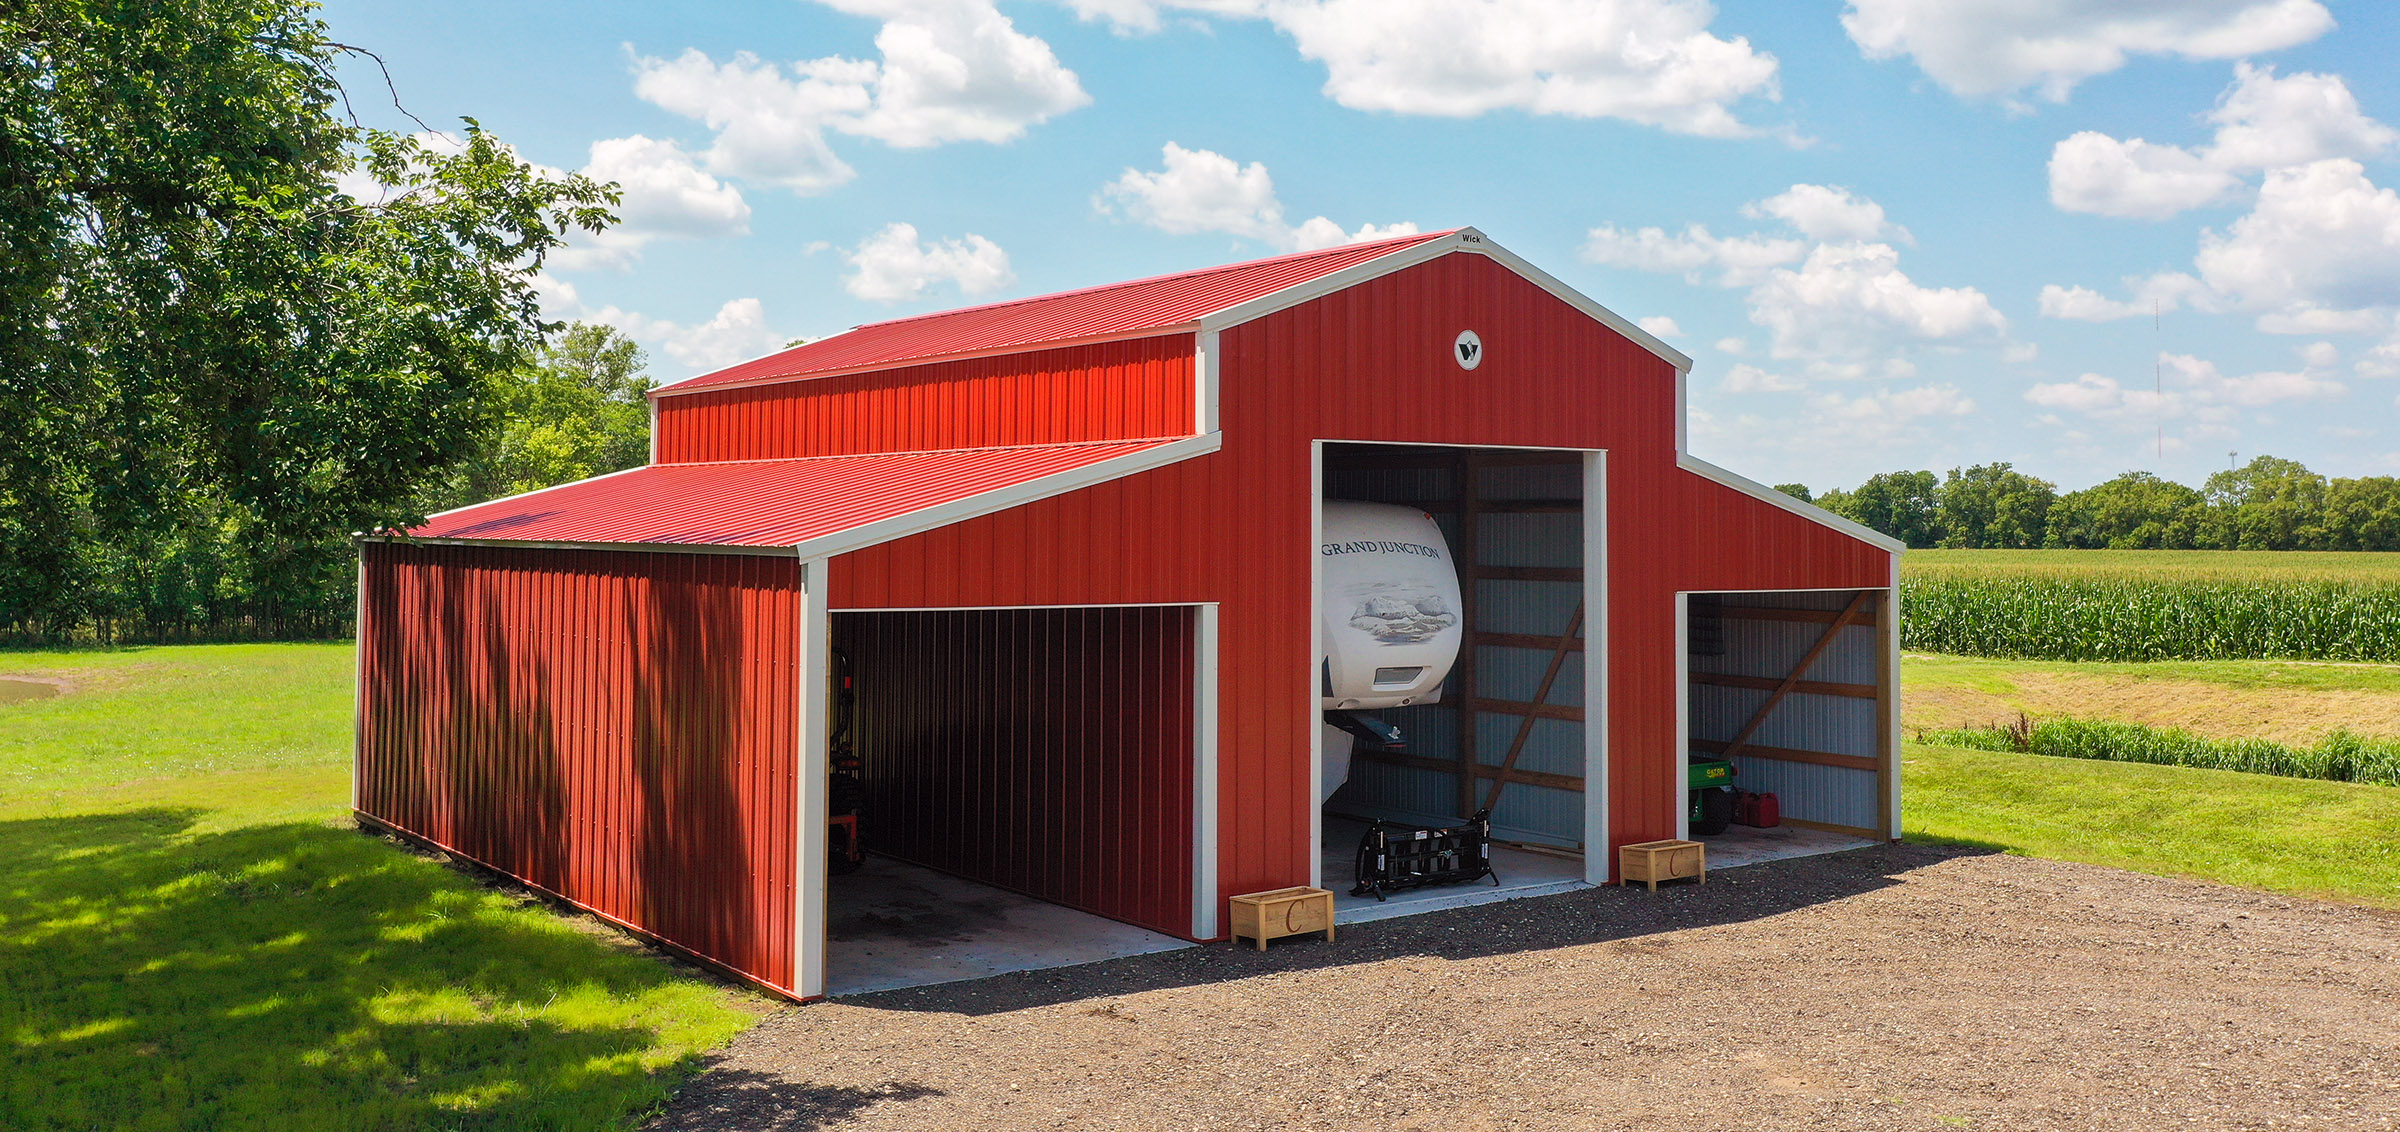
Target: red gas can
[{"x": 1760, "y": 810}]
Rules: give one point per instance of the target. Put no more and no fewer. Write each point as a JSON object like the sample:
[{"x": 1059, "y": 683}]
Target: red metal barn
[{"x": 1068, "y": 549}]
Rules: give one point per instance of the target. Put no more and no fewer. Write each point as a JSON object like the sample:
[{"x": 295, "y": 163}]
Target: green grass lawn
[
  {"x": 192, "y": 935},
  {"x": 2324, "y": 839}
]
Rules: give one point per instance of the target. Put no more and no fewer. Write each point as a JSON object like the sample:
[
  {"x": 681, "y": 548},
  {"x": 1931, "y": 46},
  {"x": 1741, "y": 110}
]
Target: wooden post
[{"x": 1791, "y": 680}]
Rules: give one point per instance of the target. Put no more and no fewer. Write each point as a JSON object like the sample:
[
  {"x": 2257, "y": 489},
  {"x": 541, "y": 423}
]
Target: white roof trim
[
  {"x": 1808, "y": 511},
  {"x": 1463, "y": 240},
  {"x": 1014, "y": 495}
]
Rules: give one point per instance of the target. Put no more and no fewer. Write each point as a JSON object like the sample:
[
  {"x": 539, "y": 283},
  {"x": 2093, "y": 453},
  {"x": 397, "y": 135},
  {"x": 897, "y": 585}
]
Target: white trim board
[
  {"x": 811, "y": 762},
  {"x": 1204, "y": 773}
]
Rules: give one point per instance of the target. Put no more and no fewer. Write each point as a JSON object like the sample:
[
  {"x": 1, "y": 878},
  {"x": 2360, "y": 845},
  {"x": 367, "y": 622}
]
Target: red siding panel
[
  {"x": 1108, "y": 391},
  {"x": 1372, "y": 363},
  {"x": 614, "y": 728},
  {"x": 1045, "y": 751}
]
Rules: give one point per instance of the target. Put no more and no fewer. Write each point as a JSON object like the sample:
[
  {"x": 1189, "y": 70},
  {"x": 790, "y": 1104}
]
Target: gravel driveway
[{"x": 1901, "y": 987}]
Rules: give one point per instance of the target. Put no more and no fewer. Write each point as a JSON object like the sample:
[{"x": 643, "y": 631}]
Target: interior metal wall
[
  {"x": 1803, "y": 721},
  {"x": 1045, "y": 751},
  {"x": 614, "y": 728},
  {"x": 1488, "y": 673}
]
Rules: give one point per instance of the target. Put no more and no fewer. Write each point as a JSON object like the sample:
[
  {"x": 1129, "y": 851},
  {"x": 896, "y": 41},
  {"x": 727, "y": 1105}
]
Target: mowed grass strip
[
  {"x": 2333, "y": 840},
  {"x": 192, "y": 935},
  {"x": 2297, "y": 703},
  {"x": 2109, "y": 605}
]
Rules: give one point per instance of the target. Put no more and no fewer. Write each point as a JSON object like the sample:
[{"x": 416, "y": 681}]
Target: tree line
[{"x": 2268, "y": 504}]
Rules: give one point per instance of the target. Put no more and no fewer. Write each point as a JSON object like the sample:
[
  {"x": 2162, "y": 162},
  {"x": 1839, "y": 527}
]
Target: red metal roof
[
  {"x": 769, "y": 503},
  {"x": 1116, "y": 309}
]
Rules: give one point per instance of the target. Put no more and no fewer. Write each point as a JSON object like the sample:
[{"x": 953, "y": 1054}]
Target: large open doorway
[
  {"x": 1795, "y": 689},
  {"x": 1024, "y": 787},
  {"x": 1516, "y": 728}
]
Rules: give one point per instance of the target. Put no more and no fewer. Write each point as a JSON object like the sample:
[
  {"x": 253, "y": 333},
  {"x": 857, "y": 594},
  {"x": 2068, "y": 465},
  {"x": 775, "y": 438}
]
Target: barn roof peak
[{"x": 1205, "y": 299}]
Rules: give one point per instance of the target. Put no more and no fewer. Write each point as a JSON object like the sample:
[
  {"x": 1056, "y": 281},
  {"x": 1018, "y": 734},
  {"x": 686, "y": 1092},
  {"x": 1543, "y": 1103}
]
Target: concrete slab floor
[
  {"x": 1521, "y": 874},
  {"x": 894, "y": 925},
  {"x": 1742, "y": 845}
]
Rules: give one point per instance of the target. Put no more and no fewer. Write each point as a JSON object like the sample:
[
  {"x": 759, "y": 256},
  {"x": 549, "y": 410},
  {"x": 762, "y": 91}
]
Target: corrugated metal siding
[
  {"x": 615, "y": 728},
  {"x": 1838, "y": 725},
  {"x": 1108, "y": 391},
  {"x": 764, "y": 503},
  {"x": 1118, "y": 308},
  {"x": 1046, "y": 751}
]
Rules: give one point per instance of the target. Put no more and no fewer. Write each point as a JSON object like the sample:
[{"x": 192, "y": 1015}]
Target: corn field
[{"x": 2157, "y": 605}]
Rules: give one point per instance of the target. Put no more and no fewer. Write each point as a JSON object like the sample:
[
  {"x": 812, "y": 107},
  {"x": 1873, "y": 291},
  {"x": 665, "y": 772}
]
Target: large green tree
[
  {"x": 2269, "y": 503},
  {"x": 203, "y": 338},
  {"x": 1995, "y": 506},
  {"x": 580, "y": 410},
  {"x": 2135, "y": 511},
  {"x": 1904, "y": 505}
]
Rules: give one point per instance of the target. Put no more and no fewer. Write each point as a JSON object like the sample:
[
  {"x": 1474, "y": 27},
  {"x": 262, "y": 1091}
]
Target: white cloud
[
  {"x": 2093, "y": 172},
  {"x": 1737, "y": 260},
  {"x": 1826, "y": 213},
  {"x": 665, "y": 196},
  {"x": 1735, "y": 346},
  {"x": 2192, "y": 389},
  {"x": 1997, "y": 47},
  {"x": 1850, "y": 299},
  {"x": 1745, "y": 378},
  {"x": 1833, "y": 433},
  {"x": 2322, "y": 237},
  {"x": 2263, "y": 122},
  {"x": 1845, "y": 301},
  {"x": 1652, "y": 62},
  {"x": 769, "y": 127},
  {"x": 950, "y": 70},
  {"x": 1200, "y": 190},
  {"x": 2157, "y": 294},
  {"x": 894, "y": 265},
  {"x": 738, "y": 331},
  {"x": 1661, "y": 326}
]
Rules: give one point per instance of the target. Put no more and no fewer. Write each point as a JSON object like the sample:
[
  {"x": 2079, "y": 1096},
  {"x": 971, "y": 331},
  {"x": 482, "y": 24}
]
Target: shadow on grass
[
  {"x": 751, "y": 1101},
  {"x": 301, "y": 976},
  {"x": 1569, "y": 919}
]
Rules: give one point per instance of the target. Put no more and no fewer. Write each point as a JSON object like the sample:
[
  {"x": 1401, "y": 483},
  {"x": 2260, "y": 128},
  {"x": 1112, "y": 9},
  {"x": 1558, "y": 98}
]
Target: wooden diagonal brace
[
  {"x": 1558, "y": 656},
  {"x": 1799, "y": 670}
]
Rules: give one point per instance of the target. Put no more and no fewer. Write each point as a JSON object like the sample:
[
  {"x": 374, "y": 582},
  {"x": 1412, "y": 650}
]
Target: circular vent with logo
[{"x": 1468, "y": 350}]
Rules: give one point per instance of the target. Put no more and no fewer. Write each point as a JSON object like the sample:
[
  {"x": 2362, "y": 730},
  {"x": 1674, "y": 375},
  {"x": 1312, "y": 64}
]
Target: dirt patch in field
[
  {"x": 2214, "y": 710},
  {"x": 1900, "y": 987}
]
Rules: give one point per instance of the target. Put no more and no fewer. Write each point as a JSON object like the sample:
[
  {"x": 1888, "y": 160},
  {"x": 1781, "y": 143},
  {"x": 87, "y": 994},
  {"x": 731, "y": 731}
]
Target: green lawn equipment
[{"x": 1711, "y": 783}]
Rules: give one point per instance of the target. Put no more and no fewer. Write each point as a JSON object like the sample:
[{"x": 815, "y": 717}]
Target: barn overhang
[{"x": 810, "y": 508}]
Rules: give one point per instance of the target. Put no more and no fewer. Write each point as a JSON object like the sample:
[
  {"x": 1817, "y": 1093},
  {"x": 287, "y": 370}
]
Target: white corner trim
[
  {"x": 1206, "y": 366},
  {"x": 1014, "y": 495},
  {"x": 812, "y": 761},
  {"x": 1808, "y": 511},
  {"x": 1599, "y": 857},
  {"x": 1204, "y": 774},
  {"x": 1312, "y": 672}
]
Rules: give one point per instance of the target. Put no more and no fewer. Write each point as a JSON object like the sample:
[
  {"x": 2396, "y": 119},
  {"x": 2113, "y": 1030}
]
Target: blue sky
[{"x": 1891, "y": 233}]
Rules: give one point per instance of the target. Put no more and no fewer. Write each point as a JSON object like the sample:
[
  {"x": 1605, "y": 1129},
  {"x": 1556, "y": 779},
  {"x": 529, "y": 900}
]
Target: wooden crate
[
  {"x": 1285, "y": 911},
  {"x": 1654, "y": 861}
]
